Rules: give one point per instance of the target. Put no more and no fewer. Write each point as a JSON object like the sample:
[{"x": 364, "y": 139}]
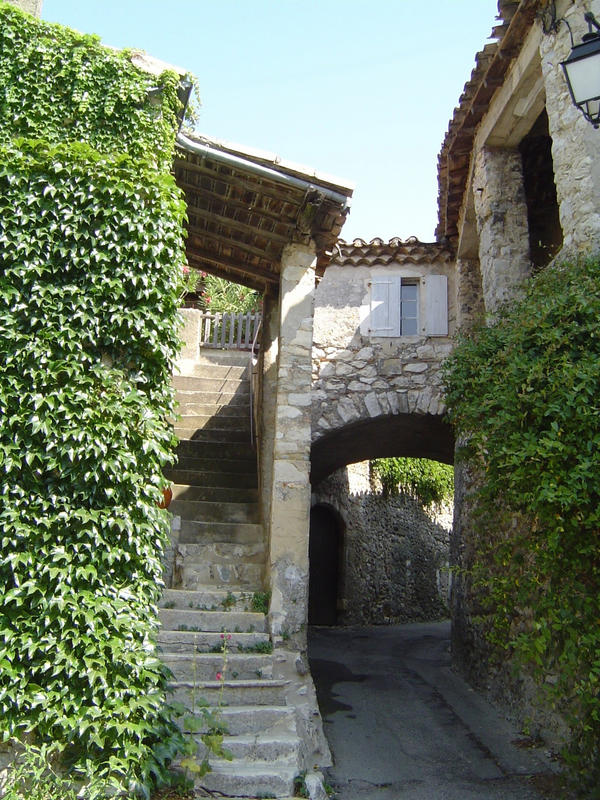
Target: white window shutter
[
  {"x": 384, "y": 319},
  {"x": 436, "y": 305}
]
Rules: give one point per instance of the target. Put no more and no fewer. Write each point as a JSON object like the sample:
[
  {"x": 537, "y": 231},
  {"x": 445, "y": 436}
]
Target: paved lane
[{"x": 403, "y": 726}]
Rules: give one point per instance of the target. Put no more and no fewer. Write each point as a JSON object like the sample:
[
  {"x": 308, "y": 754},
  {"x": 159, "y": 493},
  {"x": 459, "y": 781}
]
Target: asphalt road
[{"x": 403, "y": 726}]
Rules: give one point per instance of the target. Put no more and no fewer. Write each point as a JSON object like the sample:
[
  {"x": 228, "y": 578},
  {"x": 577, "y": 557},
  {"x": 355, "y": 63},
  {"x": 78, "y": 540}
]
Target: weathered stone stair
[{"x": 219, "y": 569}]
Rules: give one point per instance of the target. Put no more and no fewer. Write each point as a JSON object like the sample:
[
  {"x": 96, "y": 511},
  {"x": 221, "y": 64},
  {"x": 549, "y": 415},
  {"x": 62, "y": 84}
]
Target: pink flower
[
  {"x": 222, "y": 636},
  {"x": 219, "y": 676},
  {"x": 186, "y": 269},
  {"x": 229, "y": 636}
]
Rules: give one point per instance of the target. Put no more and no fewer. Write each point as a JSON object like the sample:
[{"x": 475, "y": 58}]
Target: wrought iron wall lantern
[
  {"x": 582, "y": 71},
  {"x": 582, "y": 67}
]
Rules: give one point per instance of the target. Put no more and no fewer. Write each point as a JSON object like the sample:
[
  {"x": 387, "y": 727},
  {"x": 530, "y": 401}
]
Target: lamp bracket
[{"x": 592, "y": 22}]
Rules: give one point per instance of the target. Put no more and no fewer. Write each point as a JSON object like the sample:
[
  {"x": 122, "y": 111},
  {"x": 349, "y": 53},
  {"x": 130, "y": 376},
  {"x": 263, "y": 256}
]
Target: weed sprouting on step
[
  {"x": 206, "y": 720},
  {"x": 228, "y": 602},
  {"x": 259, "y": 647},
  {"x": 260, "y": 602}
]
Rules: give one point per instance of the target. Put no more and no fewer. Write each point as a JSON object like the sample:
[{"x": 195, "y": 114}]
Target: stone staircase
[{"x": 217, "y": 585}]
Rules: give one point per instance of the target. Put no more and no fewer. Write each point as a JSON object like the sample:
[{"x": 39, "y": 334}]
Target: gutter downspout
[{"x": 258, "y": 169}]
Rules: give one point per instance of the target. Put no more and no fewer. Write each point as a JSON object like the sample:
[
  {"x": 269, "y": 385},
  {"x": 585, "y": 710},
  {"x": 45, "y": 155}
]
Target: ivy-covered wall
[
  {"x": 90, "y": 273},
  {"x": 523, "y": 395}
]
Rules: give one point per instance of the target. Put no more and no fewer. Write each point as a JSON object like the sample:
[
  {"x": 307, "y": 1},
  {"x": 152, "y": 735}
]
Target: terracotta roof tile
[{"x": 378, "y": 252}]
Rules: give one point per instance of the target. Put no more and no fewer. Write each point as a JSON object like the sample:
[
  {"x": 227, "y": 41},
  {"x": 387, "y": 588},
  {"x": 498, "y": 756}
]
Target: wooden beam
[
  {"x": 263, "y": 186},
  {"x": 263, "y": 212},
  {"x": 236, "y": 225},
  {"x": 235, "y": 264},
  {"x": 198, "y": 236},
  {"x": 243, "y": 279}
]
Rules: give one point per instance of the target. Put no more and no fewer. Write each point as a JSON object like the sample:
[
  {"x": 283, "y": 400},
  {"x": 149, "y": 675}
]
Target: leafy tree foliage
[
  {"x": 524, "y": 393},
  {"x": 427, "y": 481},
  {"x": 90, "y": 273},
  {"x": 220, "y": 295}
]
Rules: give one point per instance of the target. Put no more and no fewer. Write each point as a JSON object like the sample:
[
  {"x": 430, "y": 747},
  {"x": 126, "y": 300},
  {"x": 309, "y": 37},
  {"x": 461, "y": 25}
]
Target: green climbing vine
[
  {"x": 91, "y": 261},
  {"x": 427, "y": 481},
  {"x": 59, "y": 85},
  {"x": 524, "y": 394}
]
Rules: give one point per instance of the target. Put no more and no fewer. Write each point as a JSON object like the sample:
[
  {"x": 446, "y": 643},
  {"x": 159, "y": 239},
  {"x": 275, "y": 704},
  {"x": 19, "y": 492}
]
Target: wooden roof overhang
[
  {"x": 244, "y": 209},
  {"x": 491, "y": 66}
]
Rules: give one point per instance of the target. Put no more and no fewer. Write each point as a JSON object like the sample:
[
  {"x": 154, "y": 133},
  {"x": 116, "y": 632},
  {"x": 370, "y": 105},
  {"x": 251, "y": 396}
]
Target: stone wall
[
  {"x": 574, "y": 140},
  {"x": 501, "y": 214},
  {"x": 395, "y": 552},
  {"x": 31, "y": 6},
  {"x": 357, "y": 376}
]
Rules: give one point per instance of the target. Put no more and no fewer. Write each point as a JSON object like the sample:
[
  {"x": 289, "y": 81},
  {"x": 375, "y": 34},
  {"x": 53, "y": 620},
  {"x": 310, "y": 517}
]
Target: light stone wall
[
  {"x": 501, "y": 215},
  {"x": 288, "y": 523},
  {"x": 575, "y": 143},
  {"x": 31, "y": 6},
  {"x": 469, "y": 293},
  {"x": 357, "y": 376},
  {"x": 395, "y": 552}
]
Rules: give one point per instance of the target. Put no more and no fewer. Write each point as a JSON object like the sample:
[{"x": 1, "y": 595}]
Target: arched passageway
[
  {"x": 414, "y": 435},
  {"x": 324, "y": 553}
]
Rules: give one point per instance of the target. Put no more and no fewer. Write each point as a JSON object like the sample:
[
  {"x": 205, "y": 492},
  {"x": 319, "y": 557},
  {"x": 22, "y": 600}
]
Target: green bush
[
  {"x": 524, "y": 394},
  {"x": 91, "y": 263},
  {"x": 427, "y": 481}
]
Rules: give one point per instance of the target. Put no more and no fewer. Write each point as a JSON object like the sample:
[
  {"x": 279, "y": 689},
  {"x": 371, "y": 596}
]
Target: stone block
[{"x": 372, "y": 405}]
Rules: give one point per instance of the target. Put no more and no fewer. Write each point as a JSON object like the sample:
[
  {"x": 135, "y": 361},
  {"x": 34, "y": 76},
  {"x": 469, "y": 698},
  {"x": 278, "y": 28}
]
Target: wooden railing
[{"x": 229, "y": 330}]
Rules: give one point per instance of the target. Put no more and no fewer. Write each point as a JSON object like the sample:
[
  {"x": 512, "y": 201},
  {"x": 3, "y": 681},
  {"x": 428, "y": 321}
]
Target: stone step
[
  {"x": 242, "y": 453},
  {"x": 225, "y": 494},
  {"x": 256, "y": 747},
  {"x": 207, "y": 422},
  {"x": 192, "y": 619},
  {"x": 221, "y": 575},
  {"x": 258, "y": 692},
  {"x": 240, "y": 720},
  {"x": 206, "y": 511},
  {"x": 205, "y": 666},
  {"x": 228, "y": 435},
  {"x": 210, "y": 641},
  {"x": 202, "y": 553},
  {"x": 192, "y": 532},
  {"x": 239, "y": 422},
  {"x": 209, "y": 599},
  {"x": 237, "y": 386},
  {"x": 244, "y": 464},
  {"x": 189, "y": 406},
  {"x": 207, "y": 369},
  {"x": 190, "y": 477},
  {"x": 217, "y": 356},
  {"x": 239, "y": 400},
  {"x": 250, "y": 778}
]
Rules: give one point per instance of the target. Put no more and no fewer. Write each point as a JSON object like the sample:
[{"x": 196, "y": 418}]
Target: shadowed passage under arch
[{"x": 413, "y": 435}]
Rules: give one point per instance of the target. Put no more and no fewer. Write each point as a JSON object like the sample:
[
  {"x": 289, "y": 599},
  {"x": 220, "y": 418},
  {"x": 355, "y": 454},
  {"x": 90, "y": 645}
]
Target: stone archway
[{"x": 415, "y": 435}]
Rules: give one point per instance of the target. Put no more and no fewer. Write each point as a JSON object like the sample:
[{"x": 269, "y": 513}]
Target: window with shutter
[
  {"x": 435, "y": 289},
  {"x": 395, "y": 301}
]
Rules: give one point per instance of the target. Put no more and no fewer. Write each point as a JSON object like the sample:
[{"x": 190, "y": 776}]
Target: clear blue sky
[{"x": 362, "y": 89}]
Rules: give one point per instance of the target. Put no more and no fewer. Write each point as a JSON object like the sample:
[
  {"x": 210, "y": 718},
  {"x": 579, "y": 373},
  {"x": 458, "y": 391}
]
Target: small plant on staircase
[
  {"x": 207, "y": 721},
  {"x": 260, "y": 602}
]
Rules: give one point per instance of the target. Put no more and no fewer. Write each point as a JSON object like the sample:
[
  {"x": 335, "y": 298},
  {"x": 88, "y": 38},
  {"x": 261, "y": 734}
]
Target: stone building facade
[
  {"x": 519, "y": 185},
  {"x": 376, "y": 387}
]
